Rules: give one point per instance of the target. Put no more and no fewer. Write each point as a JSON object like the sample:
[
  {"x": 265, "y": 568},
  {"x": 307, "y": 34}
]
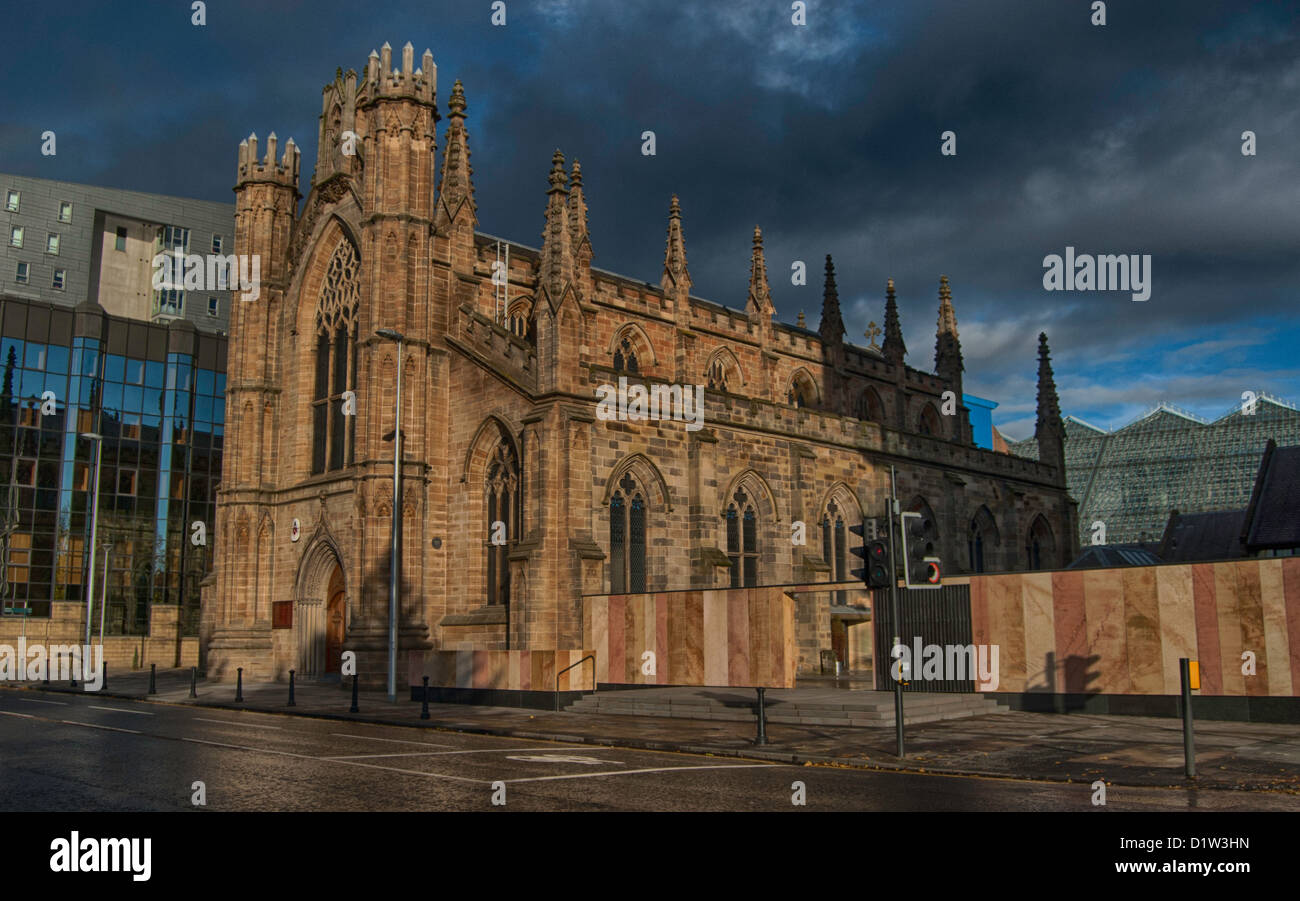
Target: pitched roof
[
  {"x": 1274, "y": 512},
  {"x": 1000, "y": 442},
  {"x": 1192, "y": 537},
  {"x": 1111, "y": 556}
]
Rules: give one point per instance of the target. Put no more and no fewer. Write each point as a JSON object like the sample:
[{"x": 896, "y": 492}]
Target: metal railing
[{"x": 592, "y": 658}]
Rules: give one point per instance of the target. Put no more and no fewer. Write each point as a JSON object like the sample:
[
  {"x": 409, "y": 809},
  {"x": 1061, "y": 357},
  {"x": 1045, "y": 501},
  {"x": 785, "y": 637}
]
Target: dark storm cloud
[{"x": 1121, "y": 139}]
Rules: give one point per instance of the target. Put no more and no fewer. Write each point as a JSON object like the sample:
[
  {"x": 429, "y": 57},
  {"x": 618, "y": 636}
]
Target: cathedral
[{"x": 518, "y": 498}]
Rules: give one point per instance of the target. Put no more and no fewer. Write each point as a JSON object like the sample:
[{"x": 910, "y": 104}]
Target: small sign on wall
[
  {"x": 295, "y": 530},
  {"x": 282, "y": 614}
]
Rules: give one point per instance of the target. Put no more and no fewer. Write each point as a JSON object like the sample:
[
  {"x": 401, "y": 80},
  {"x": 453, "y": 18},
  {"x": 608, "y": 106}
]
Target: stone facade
[{"x": 500, "y": 381}]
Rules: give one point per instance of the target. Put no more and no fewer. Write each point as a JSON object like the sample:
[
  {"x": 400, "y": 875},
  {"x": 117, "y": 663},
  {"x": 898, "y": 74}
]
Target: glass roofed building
[{"x": 1131, "y": 478}]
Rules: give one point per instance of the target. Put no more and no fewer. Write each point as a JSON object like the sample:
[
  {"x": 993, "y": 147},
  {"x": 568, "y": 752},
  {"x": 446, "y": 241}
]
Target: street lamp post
[
  {"x": 94, "y": 526},
  {"x": 103, "y": 595},
  {"x": 394, "y": 335}
]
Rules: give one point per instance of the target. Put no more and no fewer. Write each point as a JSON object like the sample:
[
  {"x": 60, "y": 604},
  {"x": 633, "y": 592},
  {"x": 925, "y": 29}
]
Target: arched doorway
[
  {"x": 335, "y": 622},
  {"x": 320, "y": 611}
]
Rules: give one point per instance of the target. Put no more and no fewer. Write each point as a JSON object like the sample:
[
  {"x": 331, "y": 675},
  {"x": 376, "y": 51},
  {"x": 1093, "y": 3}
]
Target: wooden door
[{"x": 335, "y": 612}]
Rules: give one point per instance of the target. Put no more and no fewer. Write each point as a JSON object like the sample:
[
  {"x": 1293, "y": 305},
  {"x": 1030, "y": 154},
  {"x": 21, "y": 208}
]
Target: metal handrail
[{"x": 592, "y": 658}]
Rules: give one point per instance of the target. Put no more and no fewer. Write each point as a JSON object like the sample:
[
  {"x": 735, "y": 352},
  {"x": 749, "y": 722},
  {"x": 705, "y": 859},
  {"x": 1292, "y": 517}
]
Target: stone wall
[{"x": 66, "y": 625}]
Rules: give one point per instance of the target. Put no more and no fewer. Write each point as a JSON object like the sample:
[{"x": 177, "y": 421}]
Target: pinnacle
[{"x": 456, "y": 103}]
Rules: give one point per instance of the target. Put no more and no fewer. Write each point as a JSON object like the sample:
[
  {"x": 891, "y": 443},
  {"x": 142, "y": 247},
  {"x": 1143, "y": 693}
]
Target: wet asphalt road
[{"x": 70, "y": 753}]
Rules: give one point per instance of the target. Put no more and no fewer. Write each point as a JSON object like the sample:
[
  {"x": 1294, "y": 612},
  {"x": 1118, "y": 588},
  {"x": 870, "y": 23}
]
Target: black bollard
[
  {"x": 354, "y": 708},
  {"x": 1189, "y": 744},
  {"x": 291, "y": 703},
  {"x": 194, "y": 681},
  {"x": 762, "y": 720},
  {"x": 153, "y": 678},
  {"x": 103, "y": 676},
  {"x": 73, "y": 668},
  {"x": 424, "y": 701},
  {"x": 239, "y": 685}
]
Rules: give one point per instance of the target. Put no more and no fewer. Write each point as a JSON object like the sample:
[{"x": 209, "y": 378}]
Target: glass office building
[
  {"x": 1131, "y": 478},
  {"x": 154, "y": 392}
]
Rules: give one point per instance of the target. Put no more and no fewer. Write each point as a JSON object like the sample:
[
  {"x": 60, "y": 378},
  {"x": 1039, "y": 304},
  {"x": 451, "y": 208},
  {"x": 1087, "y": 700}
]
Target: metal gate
[{"x": 935, "y": 616}]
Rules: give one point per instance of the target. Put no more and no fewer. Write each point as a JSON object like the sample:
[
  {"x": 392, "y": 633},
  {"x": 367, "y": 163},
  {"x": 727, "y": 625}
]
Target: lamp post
[
  {"x": 94, "y": 526},
  {"x": 394, "y": 335},
  {"x": 103, "y": 595}
]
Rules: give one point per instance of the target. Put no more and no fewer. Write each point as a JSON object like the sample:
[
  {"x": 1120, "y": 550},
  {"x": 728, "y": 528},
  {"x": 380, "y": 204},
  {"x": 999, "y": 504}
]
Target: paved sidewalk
[{"x": 1121, "y": 750}]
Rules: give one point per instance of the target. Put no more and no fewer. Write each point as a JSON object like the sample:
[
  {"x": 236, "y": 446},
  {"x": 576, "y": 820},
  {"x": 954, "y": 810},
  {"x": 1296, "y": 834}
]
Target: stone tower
[{"x": 266, "y": 204}]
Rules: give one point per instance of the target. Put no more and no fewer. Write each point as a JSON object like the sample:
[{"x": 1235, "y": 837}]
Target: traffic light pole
[{"x": 893, "y": 607}]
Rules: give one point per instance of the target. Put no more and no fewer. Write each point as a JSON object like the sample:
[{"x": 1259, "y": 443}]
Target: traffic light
[
  {"x": 857, "y": 550},
  {"x": 920, "y": 567},
  {"x": 875, "y": 556}
]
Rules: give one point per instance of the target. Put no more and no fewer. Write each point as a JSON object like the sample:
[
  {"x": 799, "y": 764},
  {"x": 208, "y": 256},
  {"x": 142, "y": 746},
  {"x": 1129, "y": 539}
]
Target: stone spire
[
  {"x": 893, "y": 348},
  {"x": 456, "y": 187},
  {"x": 1050, "y": 430},
  {"x": 578, "y": 234},
  {"x": 947, "y": 347},
  {"x": 759, "y": 303},
  {"x": 676, "y": 277},
  {"x": 557, "y": 244},
  {"x": 832, "y": 325}
]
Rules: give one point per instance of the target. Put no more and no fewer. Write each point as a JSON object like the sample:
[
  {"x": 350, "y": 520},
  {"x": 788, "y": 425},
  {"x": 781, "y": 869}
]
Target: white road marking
[
  {"x": 39, "y": 701},
  {"x": 399, "y": 741},
  {"x": 372, "y": 766},
  {"x": 561, "y": 758},
  {"x": 227, "y": 732},
  {"x": 658, "y": 769},
  {"x": 26, "y": 716},
  {"x": 120, "y": 710},
  {"x": 244, "y": 725},
  {"x": 429, "y": 753},
  {"x": 98, "y": 726}
]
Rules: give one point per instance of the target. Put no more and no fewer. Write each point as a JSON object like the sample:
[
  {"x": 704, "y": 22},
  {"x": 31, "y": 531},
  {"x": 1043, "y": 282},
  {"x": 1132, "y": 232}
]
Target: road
[{"x": 73, "y": 753}]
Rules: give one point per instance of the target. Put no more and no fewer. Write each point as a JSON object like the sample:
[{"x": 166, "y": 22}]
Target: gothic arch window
[
  {"x": 504, "y": 517},
  {"x": 519, "y": 321},
  {"x": 801, "y": 391},
  {"x": 625, "y": 357},
  {"x": 333, "y": 430},
  {"x": 742, "y": 539},
  {"x": 929, "y": 422},
  {"x": 981, "y": 540},
  {"x": 1040, "y": 545},
  {"x": 717, "y": 375},
  {"x": 835, "y": 546},
  {"x": 627, "y": 539},
  {"x": 723, "y": 372},
  {"x": 870, "y": 409}
]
